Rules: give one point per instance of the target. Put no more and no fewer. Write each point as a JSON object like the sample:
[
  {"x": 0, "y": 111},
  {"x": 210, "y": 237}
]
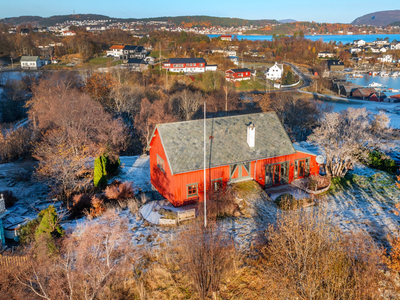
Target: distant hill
[
  {"x": 287, "y": 21},
  {"x": 379, "y": 18},
  {"x": 189, "y": 21}
]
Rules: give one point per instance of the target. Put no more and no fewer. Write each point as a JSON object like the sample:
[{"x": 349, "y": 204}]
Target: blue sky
[{"x": 344, "y": 11}]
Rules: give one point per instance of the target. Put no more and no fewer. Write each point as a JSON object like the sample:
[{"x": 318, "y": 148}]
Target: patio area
[{"x": 274, "y": 192}]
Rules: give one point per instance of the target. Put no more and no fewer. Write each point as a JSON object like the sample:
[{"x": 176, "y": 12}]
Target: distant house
[
  {"x": 275, "y": 72},
  {"x": 386, "y": 58},
  {"x": 245, "y": 147},
  {"x": 395, "y": 46},
  {"x": 24, "y": 31},
  {"x": 230, "y": 53},
  {"x": 325, "y": 54},
  {"x": 238, "y": 74},
  {"x": 234, "y": 59},
  {"x": 32, "y": 62},
  {"x": 116, "y": 51},
  {"x": 348, "y": 89},
  {"x": 186, "y": 65},
  {"x": 68, "y": 33},
  {"x": 355, "y": 50},
  {"x": 393, "y": 99},
  {"x": 254, "y": 52},
  {"x": 134, "y": 52},
  {"x": 335, "y": 65},
  {"x": 226, "y": 38},
  {"x": 383, "y": 49},
  {"x": 217, "y": 50},
  {"x": 363, "y": 93},
  {"x": 359, "y": 43},
  {"x": 137, "y": 64}
]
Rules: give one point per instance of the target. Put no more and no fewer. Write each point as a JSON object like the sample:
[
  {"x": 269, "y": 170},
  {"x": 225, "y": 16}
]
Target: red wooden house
[
  {"x": 238, "y": 74},
  {"x": 246, "y": 147},
  {"x": 195, "y": 65}
]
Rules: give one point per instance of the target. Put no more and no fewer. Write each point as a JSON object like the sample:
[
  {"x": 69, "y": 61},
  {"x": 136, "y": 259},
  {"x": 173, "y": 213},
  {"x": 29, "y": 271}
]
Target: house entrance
[
  {"x": 301, "y": 168},
  {"x": 276, "y": 174},
  {"x": 239, "y": 172}
]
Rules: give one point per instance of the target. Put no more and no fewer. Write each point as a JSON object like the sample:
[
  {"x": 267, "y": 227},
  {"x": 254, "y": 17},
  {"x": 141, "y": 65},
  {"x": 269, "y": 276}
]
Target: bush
[
  {"x": 80, "y": 204},
  {"x": 119, "y": 191},
  {"x": 48, "y": 229},
  {"x": 16, "y": 144},
  {"x": 380, "y": 161},
  {"x": 306, "y": 257},
  {"x": 287, "y": 201},
  {"x": 220, "y": 204},
  {"x": 27, "y": 232},
  {"x": 100, "y": 173},
  {"x": 9, "y": 198}
]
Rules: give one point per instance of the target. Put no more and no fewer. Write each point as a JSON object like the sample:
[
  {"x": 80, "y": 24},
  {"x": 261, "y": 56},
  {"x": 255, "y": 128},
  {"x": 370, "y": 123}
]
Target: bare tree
[
  {"x": 308, "y": 258},
  {"x": 208, "y": 257},
  {"x": 349, "y": 136},
  {"x": 188, "y": 103},
  {"x": 75, "y": 128}
]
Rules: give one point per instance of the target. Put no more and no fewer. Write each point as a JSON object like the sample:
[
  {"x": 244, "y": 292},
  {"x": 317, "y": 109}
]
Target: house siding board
[
  {"x": 162, "y": 181},
  {"x": 180, "y": 181}
]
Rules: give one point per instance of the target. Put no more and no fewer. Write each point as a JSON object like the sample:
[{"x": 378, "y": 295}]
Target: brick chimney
[{"x": 251, "y": 135}]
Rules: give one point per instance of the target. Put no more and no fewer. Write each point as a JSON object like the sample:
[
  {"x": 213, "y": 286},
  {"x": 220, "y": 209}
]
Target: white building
[
  {"x": 386, "y": 58},
  {"x": 234, "y": 59},
  {"x": 275, "y": 72},
  {"x": 325, "y": 54},
  {"x": 355, "y": 50},
  {"x": 116, "y": 51},
  {"x": 359, "y": 43},
  {"x": 32, "y": 62},
  {"x": 68, "y": 33}
]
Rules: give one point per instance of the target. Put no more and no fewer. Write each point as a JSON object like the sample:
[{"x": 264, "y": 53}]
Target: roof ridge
[{"x": 180, "y": 122}]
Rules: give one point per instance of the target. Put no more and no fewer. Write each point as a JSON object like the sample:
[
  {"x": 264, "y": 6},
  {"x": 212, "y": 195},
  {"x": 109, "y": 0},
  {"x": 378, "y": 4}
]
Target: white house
[
  {"x": 68, "y": 33},
  {"x": 386, "y": 58},
  {"x": 32, "y": 62},
  {"x": 275, "y": 72},
  {"x": 234, "y": 59},
  {"x": 383, "y": 49},
  {"x": 355, "y": 50},
  {"x": 116, "y": 51},
  {"x": 325, "y": 54},
  {"x": 230, "y": 53},
  {"x": 395, "y": 46},
  {"x": 359, "y": 43}
]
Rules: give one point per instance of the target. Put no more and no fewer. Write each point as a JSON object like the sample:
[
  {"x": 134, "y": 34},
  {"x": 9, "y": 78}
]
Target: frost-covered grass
[{"x": 364, "y": 201}]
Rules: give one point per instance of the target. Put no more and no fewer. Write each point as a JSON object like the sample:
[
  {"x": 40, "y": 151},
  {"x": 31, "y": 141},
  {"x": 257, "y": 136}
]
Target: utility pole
[{"x": 205, "y": 183}]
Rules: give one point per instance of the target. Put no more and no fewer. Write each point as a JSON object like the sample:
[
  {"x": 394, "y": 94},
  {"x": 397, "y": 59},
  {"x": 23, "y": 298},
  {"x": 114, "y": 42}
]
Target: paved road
[{"x": 306, "y": 81}]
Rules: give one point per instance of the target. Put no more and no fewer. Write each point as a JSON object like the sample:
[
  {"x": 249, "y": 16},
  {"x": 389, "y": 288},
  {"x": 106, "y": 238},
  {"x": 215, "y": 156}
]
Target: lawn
[{"x": 99, "y": 60}]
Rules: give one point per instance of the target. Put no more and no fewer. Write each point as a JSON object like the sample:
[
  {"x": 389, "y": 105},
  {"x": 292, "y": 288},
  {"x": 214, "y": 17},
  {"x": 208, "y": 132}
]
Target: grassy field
[{"x": 99, "y": 60}]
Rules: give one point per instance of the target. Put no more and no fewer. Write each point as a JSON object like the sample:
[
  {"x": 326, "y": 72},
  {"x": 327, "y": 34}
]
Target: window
[
  {"x": 192, "y": 190},
  {"x": 216, "y": 184},
  {"x": 160, "y": 163}
]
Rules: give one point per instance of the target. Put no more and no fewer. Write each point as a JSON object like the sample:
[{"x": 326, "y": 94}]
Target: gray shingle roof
[
  {"x": 29, "y": 58},
  {"x": 183, "y": 141},
  {"x": 186, "y": 60}
]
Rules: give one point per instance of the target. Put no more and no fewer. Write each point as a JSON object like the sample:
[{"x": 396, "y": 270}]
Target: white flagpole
[{"x": 205, "y": 183}]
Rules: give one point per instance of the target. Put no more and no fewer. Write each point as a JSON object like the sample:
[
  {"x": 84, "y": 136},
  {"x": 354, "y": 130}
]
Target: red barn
[
  {"x": 246, "y": 147},
  {"x": 238, "y": 74}
]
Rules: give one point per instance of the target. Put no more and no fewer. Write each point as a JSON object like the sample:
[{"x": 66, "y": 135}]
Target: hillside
[
  {"x": 188, "y": 21},
  {"x": 379, "y": 18}
]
